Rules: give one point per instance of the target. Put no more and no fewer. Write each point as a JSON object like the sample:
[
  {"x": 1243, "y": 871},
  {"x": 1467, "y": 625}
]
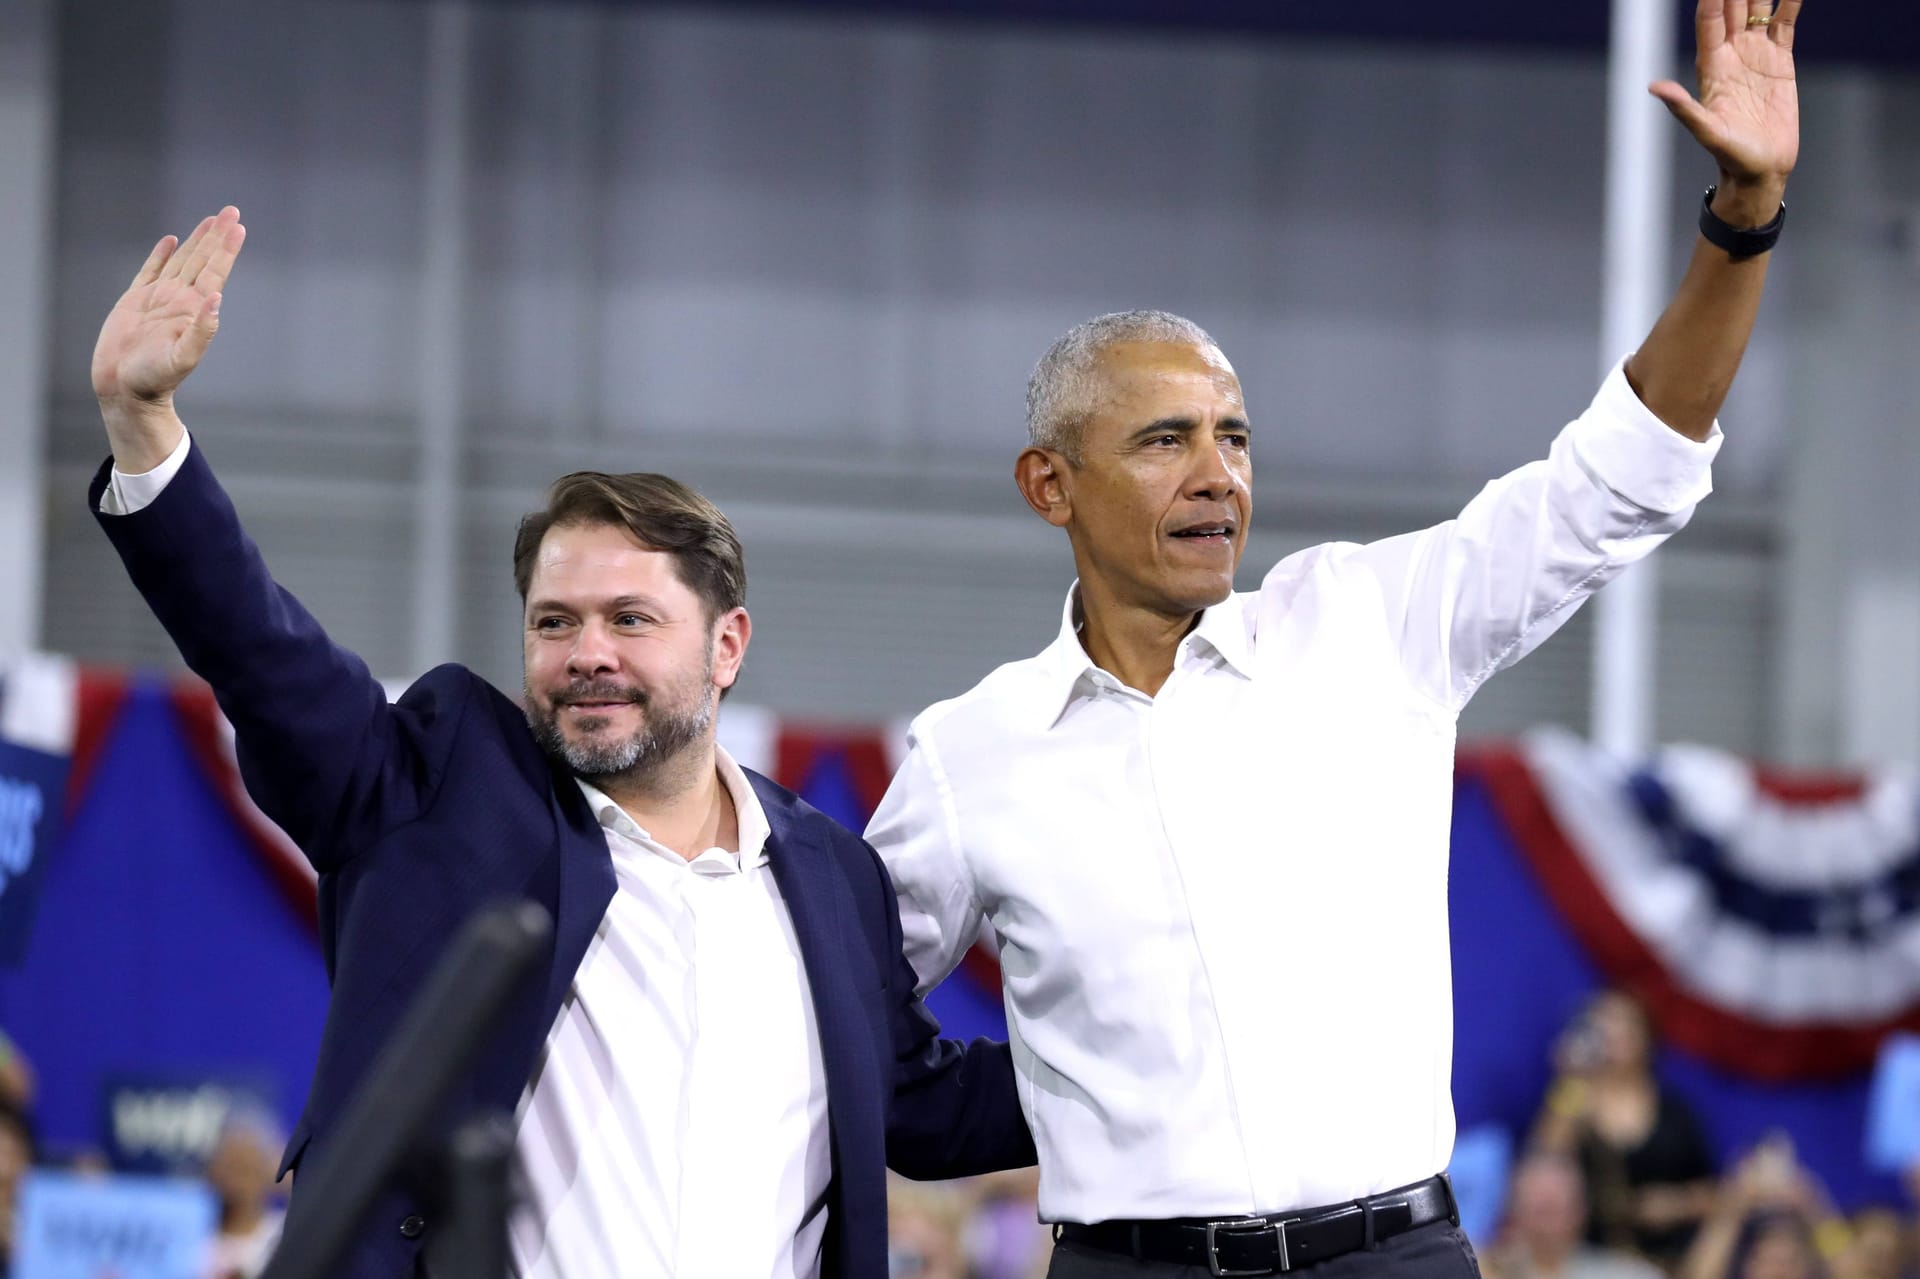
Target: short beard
[{"x": 665, "y": 732}]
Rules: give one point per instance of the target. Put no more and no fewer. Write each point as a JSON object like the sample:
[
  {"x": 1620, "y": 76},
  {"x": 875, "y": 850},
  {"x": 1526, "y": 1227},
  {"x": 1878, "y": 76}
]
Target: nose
[
  {"x": 592, "y": 653},
  {"x": 1209, "y": 476}
]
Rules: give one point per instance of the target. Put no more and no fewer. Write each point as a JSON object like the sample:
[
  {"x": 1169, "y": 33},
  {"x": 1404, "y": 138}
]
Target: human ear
[
  {"x": 1043, "y": 478},
  {"x": 730, "y": 635}
]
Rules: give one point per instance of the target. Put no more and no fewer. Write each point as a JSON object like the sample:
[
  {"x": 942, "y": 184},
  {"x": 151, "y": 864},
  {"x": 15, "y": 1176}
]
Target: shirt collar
[
  {"x": 1225, "y": 628},
  {"x": 755, "y": 833}
]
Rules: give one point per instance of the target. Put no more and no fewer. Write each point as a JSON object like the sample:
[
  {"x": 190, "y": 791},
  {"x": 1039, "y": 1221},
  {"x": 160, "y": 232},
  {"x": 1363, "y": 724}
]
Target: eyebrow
[
  {"x": 634, "y": 601},
  {"x": 618, "y": 604},
  {"x": 1187, "y": 426}
]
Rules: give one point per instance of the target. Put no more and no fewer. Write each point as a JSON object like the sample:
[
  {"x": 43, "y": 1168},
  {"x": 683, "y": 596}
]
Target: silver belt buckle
[{"x": 1255, "y": 1224}]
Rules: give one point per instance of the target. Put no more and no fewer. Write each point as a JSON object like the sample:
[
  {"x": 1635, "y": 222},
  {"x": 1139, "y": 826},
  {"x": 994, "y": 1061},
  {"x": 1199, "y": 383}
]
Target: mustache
[{"x": 588, "y": 691}]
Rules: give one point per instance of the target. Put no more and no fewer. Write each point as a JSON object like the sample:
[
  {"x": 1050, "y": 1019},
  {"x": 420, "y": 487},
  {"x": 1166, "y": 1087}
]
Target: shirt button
[{"x": 412, "y": 1226}]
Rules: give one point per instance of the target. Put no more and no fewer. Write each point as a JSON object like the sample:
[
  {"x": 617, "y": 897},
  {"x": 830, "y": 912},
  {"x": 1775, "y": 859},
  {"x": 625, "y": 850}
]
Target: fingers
[
  {"x": 1781, "y": 28},
  {"x": 150, "y": 269},
  {"x": 209, "y": 242},
  {"x": 212, "y": 277},
  {"x": 192, "y": 344},
  {"x": 186, "y": 249},
  {"x": 1686, "y": 109},
  {"x": 1710, "y": 25},
  {"x": 1736, "y": 13}
]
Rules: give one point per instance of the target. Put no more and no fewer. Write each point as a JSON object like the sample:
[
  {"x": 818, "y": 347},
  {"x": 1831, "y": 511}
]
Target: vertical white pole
[
  {"x": 443, "y": 305},
  {"x": 1639, "y": 184},
  {"x": 26, "y": 198}
]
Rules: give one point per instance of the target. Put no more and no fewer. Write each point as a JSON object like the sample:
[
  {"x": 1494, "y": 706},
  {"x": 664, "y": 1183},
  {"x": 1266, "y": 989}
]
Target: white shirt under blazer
[
  {"x": 1221, "y": 911},
  {"x": 682, "y": 1082}
]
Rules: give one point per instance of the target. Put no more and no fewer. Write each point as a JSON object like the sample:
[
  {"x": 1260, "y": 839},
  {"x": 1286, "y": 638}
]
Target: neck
[
  {"x": 1133, "y": 644},
  {"x": 681, "y": 802}
]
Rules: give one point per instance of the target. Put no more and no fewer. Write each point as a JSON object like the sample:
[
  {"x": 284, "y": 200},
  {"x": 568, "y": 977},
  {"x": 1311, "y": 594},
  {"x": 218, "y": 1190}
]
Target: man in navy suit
[{"x": 726, "y": 1048}]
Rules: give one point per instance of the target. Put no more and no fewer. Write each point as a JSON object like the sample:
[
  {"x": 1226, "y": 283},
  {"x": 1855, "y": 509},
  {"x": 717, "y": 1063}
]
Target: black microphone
[{"x": 432, "y": 1046}]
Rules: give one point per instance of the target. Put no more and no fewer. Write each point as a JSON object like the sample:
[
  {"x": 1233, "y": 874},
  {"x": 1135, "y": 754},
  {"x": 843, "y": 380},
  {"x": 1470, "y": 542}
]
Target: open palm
[
  {"x": 160, "y": 327},
  {"x": 1748, "y": 111}
]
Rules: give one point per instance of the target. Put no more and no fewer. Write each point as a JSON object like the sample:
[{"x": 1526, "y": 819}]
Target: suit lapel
[
  {"x": 809, "y": 879},
  {"x": 586, "y": 885}
]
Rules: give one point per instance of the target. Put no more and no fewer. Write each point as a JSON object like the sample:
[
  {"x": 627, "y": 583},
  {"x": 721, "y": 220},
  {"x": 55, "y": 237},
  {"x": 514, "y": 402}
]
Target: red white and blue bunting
[{"x": 1771, "y": 923}]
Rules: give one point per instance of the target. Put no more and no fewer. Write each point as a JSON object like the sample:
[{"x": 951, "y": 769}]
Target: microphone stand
[{"x": 432, "y": 1047}]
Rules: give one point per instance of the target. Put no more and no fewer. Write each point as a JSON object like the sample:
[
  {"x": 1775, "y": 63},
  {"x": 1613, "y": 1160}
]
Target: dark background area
[{"x": 1878, "y": 34}]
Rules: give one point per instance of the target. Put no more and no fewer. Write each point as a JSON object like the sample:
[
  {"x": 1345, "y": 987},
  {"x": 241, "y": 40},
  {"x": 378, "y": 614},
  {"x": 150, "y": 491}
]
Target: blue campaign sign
[
  {"x": 82, "y": 1226},
  {"x": 1893, "y": 1106},
  {"x": 169, "y": 1122},
  {"x": 1481, "y": 1159},
  {"x": 33, "y": 787}
]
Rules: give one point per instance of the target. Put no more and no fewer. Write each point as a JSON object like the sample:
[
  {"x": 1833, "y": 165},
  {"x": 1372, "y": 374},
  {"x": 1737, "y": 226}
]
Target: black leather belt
[{"x": 1277, "y": 1242}]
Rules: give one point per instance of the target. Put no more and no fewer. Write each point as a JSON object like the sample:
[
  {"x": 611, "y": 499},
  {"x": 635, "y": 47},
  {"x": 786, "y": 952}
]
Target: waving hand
[
  {"x": 156, "y": 335},
  {"x": 1748, "y": 112}
]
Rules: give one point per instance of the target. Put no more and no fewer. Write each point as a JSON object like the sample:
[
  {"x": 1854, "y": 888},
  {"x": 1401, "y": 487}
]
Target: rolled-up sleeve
[
  {"x": 1474, "y": 595},
  {"x": 1634, "y": 453}
]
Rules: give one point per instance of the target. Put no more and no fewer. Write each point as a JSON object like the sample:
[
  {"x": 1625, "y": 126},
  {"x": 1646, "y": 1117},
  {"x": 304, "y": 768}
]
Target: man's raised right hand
[{"x": 156, "y": 335}]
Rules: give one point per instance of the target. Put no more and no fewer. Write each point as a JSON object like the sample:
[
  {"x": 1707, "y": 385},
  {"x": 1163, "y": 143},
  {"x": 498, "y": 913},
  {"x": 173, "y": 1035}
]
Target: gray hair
[{"x": 1061, "y": 393}]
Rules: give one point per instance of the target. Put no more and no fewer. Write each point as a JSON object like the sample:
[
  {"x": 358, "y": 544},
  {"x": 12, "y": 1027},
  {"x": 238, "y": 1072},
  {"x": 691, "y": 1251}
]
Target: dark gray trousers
[{"x": 1436, "y": 1251}]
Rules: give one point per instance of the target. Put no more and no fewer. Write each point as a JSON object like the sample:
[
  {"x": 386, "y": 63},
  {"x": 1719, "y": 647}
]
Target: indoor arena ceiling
[{"x": 1860, "y": 31}]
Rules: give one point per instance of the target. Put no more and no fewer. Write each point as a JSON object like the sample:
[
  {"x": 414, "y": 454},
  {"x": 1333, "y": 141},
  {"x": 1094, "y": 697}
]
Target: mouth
[
  {"x": 598, "y": 702},
  {"x": 1218, "y": 533}
]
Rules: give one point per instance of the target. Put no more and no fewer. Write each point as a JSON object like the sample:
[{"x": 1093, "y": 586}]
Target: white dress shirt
[
  {"x": 676, "y": 1123},
  {"x": 1222, "y": 910}
]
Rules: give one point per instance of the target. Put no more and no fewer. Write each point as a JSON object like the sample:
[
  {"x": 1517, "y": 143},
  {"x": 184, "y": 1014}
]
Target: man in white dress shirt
[{"x": 1209, "y": 830}]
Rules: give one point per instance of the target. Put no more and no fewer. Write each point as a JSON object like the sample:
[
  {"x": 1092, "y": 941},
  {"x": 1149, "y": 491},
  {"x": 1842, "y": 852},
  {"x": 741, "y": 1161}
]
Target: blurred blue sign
[
  {"x": 33, "y": 786},
  {"x": 1893, "y": 1106},
  {"x": 83, "y": 1226},
  {"x": 1482, "y": 1157},
  {"x": 169, "y": 1123}
]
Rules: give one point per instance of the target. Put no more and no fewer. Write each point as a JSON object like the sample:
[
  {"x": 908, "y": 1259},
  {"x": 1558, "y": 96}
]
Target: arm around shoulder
[{"x": 955, "y": 1110}]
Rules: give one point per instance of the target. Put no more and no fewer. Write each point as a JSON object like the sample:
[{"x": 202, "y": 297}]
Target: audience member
[
  {"x": 1544, "y": 1231},
  {"x": 1648, "y": 1168},
  {"x": 17, "y": 1083},
  {"x": 17, "y": 1154},
  {"x": 240, "y": 1171},
  {"x": 1875, "y": 1245},
  {"x": 926, "y": 1227},
  {"x": 1763, "y": 1224}
]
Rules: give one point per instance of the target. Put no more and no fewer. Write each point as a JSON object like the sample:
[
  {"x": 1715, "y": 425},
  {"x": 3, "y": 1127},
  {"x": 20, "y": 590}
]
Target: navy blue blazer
[{"x": 419, "y": 813}]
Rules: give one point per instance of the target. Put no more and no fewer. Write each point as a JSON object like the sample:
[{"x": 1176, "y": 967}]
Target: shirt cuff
[
  {"x": 1634, "y": 453},
  {"x": 126, "y": 494}
]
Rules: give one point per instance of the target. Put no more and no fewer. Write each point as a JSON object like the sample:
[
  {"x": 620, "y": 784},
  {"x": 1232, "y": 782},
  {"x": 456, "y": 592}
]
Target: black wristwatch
[{"x": 1739, "y": 242}]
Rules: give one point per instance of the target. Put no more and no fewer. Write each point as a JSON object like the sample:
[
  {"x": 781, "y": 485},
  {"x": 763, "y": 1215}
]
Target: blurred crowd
[
  {"x": 238, "y": 1172},
  {"x": 1616, "y": 1180}
]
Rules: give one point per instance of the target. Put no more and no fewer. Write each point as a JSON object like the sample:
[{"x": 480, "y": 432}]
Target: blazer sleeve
[
  {"x": 321, "y": 751},
  {"x": 956, "y": 1107}
]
